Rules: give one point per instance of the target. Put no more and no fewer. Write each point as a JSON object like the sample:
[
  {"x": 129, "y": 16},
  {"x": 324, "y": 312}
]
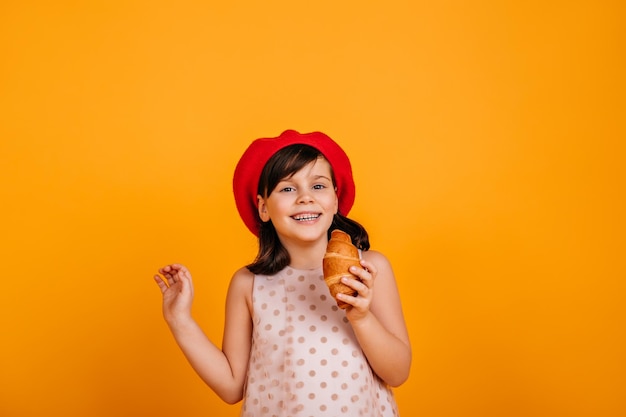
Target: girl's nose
[{"x": 305, "y": 197}]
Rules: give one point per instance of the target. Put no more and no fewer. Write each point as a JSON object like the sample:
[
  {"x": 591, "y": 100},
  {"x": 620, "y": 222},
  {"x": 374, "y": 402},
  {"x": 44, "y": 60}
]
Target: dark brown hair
[{"x": 272, "y": 256}]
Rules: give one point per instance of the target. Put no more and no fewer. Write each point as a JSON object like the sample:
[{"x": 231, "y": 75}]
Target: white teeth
[{"x": 306, "y": 217}]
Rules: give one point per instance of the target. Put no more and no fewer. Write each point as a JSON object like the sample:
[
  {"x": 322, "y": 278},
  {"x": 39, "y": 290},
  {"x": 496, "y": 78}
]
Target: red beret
[{"x": 249, "y": 167}]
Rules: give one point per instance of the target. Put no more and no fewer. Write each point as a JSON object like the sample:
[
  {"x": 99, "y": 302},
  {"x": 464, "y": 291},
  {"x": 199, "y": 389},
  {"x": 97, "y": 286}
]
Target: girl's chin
[{"x": 310, "y": 234}]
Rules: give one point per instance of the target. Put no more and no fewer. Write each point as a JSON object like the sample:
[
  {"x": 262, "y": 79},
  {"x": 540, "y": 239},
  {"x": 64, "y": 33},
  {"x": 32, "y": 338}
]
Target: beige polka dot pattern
[{"x": 305, "y": 359}]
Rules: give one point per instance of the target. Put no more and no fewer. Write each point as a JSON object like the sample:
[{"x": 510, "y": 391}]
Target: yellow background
[{"x": 487, "y": 140}]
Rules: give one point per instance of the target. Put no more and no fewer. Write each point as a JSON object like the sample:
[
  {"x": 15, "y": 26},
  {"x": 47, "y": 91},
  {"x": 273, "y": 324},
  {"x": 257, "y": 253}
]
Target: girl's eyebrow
[
  {"x": 321, "y": 176},
  {"x": 315, "y": 177}
]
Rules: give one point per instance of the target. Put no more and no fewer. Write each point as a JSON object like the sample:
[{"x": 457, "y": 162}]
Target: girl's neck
[{"x": 306, "y": 256}]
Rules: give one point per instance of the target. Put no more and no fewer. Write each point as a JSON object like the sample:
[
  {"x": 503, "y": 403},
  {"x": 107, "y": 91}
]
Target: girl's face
[{"x": 301, "y": 207}]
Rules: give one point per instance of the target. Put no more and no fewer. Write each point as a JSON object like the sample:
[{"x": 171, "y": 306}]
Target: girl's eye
[
  {"x": 287, "y": 189},
  {"x": 319, "y": 186}
]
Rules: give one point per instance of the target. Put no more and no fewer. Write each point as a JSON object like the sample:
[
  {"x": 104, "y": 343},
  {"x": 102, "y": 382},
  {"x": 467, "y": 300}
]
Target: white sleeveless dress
[{"x": 305, "y": 359}]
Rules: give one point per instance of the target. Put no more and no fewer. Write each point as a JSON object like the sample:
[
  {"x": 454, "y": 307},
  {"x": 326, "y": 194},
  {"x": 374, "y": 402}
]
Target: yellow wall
[{"x": 488, "y": 147}]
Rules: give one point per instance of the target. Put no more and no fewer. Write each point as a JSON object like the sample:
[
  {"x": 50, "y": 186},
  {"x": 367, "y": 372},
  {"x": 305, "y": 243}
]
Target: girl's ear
[{"x": 262, "y": 209}]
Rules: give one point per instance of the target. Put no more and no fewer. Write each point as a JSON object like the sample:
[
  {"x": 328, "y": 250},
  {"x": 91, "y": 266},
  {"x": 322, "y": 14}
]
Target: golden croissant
[{"x": 340, "y": 255}]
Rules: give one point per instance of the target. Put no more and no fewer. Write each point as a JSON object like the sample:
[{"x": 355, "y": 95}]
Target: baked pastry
[{"x": 340, "y": 255}]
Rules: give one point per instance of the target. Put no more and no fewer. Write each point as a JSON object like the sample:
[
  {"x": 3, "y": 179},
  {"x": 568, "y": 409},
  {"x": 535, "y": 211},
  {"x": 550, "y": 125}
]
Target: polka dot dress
[{"x": 305, "y": 359}]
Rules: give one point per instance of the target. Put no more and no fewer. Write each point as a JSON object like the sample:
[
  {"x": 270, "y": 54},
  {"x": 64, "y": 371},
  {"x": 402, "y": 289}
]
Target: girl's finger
[
  {"x": 178, "y": 271},
  {"x": 166, "y": 269},
  {"x": 162, "y": 285},
  {"x": 178, "y": 268},
  {"x": 170, "y": 278},
  {"x": 363, "y": 274},
  {"x": 369, "y": 267},
  {"x": 358, "y": 303},
  {"x": 358, "y": 286}
]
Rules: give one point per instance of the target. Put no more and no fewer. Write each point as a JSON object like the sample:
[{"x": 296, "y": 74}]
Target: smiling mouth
[{"x": 306, "y": 217}]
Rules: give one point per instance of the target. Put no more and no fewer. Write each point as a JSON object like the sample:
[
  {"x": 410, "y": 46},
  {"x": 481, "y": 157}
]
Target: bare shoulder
[
  {"x": 385, "y": 279},
  {"x": 241, "y": 285},
  {"x": 379, "y": 260},
  {"x": 373, "y": 256},
  {"x": 243, "y": 276}
]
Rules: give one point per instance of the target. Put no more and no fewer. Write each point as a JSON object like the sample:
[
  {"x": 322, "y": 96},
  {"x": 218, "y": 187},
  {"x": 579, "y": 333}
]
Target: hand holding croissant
[{"x": 340, "y": 255}]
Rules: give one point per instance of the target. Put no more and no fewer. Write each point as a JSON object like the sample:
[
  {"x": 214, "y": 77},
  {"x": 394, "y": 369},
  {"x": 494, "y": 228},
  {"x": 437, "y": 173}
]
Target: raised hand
[{"x": 177, "y": 288}]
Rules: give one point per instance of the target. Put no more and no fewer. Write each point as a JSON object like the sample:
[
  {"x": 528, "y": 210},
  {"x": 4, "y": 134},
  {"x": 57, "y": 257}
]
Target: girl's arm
[
  {"x": 223, "y": 370},
  {"x": 377, "y": 319}
]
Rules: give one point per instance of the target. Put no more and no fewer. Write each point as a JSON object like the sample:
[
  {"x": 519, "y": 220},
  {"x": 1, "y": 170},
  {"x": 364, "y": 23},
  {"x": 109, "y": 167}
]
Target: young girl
[{"x": 288, "y": 350}]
